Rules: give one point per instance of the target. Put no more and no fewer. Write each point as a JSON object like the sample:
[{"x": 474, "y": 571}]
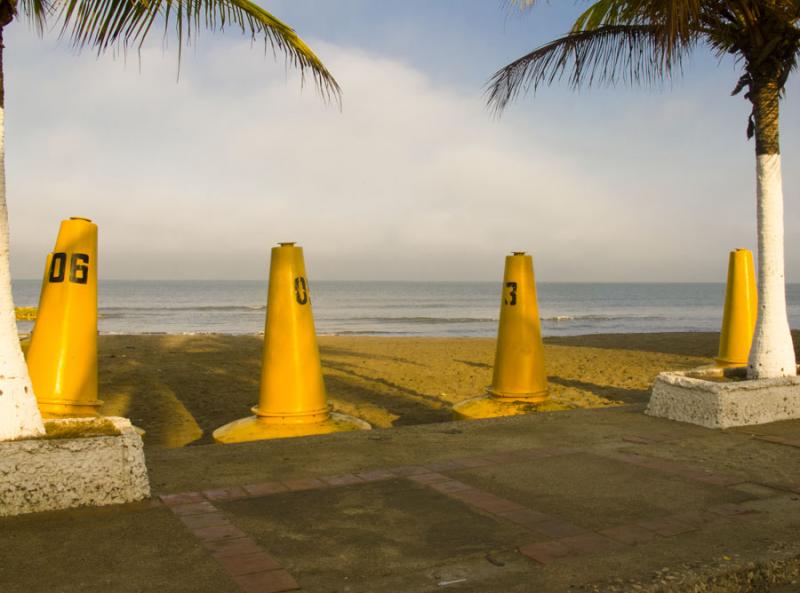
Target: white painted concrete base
[
  {"x": 48, "y": 474},
  {"x": 691, "y": 396}
]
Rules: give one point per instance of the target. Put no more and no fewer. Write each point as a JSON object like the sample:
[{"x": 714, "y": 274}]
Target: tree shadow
[
  {"x": 473, "y": 364},
  {"x": 629, "y": 396},
  {"x": 383, "y": 403},
  {"x": 700, "y": 344},
  {"x": 180, "y": 389},
  {"x": 326, "y": 351}
]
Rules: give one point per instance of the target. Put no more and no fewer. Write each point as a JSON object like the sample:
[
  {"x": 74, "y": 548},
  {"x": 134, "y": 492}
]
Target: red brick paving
[
  {"x": 218, "y": 532},
  {"x": 428, "y": 478},
  {"x": 375, "y": 475},
  {"x": 248, "y": 563},
  {"x": 449, "y": 486},
  {"x": 779, "y": 440},
  {"x": 342, "y": 480},
  {"x": 637, "y": 440},
  {"x": 204, "y": 520},
  {"x": 272, "y": 581},
  {"x": 182, "y": 498},
  {"x": 257, "y": 572},
  {"x": 252, "y": 568},
  {"x": 194, "y": 509},
  {"x": 304, "y": 484},
  {"x": 225, "y": 493},
  {"x": 232, "y": 547},
  {"x": 264, "y": 488},
  {"x": 545, "y": 552}
]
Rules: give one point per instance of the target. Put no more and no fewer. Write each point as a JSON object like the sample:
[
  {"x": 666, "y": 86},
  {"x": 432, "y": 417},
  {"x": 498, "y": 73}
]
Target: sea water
[{"x": 404, "y": 308}]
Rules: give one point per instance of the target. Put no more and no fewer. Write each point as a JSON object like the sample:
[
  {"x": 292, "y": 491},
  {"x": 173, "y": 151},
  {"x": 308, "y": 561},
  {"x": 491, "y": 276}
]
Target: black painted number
[
  {"x": 78, "y": 268},
  {"x": 300, "y": 290},
  {"x": 511, "y": 297},
  {"x": 58, "y": 265}
]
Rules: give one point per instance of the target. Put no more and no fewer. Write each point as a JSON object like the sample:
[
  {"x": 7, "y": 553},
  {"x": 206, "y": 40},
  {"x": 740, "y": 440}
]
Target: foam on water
[{"x": 404, "y": 308}]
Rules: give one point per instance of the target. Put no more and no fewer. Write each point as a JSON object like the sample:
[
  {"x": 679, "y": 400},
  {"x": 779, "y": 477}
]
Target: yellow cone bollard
[
  {"x": 292, "y": 400},
  {"x": 519, "y": 382},
  {"x": 62, "y": 357},
  {"x": 741, "y": 310}
]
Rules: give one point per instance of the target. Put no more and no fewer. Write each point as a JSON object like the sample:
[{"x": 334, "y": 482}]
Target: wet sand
[{"x": 180, "y": 388}]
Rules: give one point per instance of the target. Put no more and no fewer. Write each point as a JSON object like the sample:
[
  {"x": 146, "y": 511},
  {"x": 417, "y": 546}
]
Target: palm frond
[
  {"x": 675, "y": 21},
  {"x": 35, "y": 12},
  {"x": 606, "y": 55},
  {"x": 519, "y": 4},
  {"x": 102, "y": 24}
]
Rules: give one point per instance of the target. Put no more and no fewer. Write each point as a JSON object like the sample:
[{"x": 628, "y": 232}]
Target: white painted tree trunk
[
  {"x": 772, "y": 352},
  {"x": 19, "y": 415}
]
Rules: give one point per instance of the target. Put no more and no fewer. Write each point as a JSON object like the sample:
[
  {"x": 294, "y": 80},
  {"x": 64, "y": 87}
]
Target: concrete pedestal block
[
  {"x": 721, "y": 398},
  {"x": 82, "y": 462}
]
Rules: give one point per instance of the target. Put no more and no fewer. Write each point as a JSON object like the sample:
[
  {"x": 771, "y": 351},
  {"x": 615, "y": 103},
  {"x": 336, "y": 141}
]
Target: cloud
[{"x": 411, "y": 180}]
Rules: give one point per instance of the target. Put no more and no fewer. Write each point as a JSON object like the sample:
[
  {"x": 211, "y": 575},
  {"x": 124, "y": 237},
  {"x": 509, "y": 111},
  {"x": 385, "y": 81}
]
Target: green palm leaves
[
  {"x": 644, "y": 41},
  {"x": 102, "y": 24}
]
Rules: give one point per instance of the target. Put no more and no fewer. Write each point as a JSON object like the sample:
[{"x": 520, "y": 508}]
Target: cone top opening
[
  {"x": 80, "y": 218},
  {"x": 517, "y": 253},
  {"x": 287, "y": 243}
]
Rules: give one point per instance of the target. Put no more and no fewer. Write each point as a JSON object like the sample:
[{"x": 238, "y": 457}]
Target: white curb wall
[
  {"x": 688, "y": 397},
  {"x": 49, "y": 474}
]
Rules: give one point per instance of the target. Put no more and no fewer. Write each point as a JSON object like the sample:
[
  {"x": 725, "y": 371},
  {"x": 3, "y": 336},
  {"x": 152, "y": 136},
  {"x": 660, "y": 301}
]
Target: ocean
[{"x": 403, "y": 308}]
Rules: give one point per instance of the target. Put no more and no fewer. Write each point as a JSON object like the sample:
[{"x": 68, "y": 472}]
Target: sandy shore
[{"x": 180, "y": 388}]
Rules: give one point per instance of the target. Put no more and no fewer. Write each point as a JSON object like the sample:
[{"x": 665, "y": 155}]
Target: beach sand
[{"x": 180, "y": 388}]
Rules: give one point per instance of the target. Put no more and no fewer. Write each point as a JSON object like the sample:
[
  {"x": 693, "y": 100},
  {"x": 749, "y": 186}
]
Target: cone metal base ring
[
  {"x": 721, "y": 362},
  {"x": 255, "y": 428},
  {"x": 61, "y": 409},
  {"x": 490, "y": 406},
  {"x": 532, "y": 398},
  {"x": 312, "y": 417}
]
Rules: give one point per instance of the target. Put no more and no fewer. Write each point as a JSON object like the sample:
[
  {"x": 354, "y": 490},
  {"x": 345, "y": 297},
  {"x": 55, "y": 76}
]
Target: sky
[{"x": 196, "y": 169}]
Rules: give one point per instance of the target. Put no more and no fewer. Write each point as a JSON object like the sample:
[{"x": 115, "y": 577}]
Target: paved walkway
[{"x": 592, "y": 500}]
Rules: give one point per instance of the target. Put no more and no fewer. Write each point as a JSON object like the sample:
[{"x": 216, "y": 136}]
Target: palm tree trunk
[
  {"x": 19, "y": 416},
  {"x": 772, "y": 352}
]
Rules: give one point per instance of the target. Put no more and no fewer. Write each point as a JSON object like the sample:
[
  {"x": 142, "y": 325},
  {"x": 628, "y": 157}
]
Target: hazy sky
[{"x": 198, "y": 177}]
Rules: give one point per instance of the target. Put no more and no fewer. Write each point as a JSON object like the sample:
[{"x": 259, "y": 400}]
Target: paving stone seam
[
  {"x": 779, "y": 440},
  {"x": 681, "y": 469},
  {"x": 568, "y": 540},
  {"x": 249, "y": 565},
  {"x": 361, "y": 476},
  {"x": 252, "y": 568}
]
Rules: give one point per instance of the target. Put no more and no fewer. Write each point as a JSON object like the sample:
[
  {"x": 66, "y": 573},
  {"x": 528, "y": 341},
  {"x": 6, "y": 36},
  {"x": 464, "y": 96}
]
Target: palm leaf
[
  {"x": 103, "y": 24},
  {"x": 606, "y": 55},
  {"x": 36, "y": 12}
]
